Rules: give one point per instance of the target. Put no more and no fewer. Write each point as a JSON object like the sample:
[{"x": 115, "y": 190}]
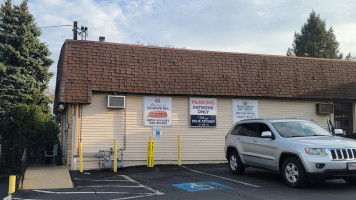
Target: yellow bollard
[
  {"x": 179, "y": 159},
  {"x": 12, "y": 183},
  {"x": 81, "y": 156},
  {"x": 115, "y": 155},
  {"x": 150, "y": 153}
]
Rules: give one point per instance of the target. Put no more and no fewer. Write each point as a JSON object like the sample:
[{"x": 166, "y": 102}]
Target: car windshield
[{"x": 299, "y": 129}]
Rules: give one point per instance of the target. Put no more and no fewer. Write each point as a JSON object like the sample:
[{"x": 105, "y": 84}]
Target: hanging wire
[{"x": 53, "y": 26}]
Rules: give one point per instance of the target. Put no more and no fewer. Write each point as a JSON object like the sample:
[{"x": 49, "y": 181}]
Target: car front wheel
[
  {"x": 293, "y": 173},
  {"x": 235, "y": 164}
]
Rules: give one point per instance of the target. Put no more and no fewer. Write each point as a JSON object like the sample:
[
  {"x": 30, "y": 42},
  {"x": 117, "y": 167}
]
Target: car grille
[{"x": 343, "y": 154}]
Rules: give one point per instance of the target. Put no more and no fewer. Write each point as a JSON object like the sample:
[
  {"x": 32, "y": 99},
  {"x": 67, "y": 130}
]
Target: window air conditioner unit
[
  {"x": 324, "y": 108},
  {"x": 116, "y": 101}
]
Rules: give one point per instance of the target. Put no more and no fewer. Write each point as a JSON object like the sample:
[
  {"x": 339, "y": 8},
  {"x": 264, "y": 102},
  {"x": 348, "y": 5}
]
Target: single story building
[{"x": 107, "y": 91}]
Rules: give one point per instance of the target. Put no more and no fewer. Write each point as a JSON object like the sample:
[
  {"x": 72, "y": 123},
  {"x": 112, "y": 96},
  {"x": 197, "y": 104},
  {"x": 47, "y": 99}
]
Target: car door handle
[{"x": 254, "y": 140}]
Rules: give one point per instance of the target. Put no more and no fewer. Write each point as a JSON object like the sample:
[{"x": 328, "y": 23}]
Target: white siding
[
  {"x": 292, "y": 109},
  {"x": 199, "y": 145}
]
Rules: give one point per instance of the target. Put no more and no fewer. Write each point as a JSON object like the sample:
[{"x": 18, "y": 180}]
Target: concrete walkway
[{"x": 47, "y": 177}]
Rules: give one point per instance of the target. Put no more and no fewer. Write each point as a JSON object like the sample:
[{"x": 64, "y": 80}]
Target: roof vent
[
  {"x": 101, "y": 38},
  {"x": 116, "y": 101}
]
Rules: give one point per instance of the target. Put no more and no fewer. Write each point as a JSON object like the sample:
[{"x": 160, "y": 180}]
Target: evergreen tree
[
  {"x": 24, "y": 60},
  {"x": 348, "y": 57},
  {"x": 315, "y": 41}
]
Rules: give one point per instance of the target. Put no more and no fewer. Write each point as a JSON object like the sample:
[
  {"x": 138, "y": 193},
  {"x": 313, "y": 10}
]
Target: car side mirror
[
  {"x": 338, "y": 132},
  {"x": 266, "y": 134}
]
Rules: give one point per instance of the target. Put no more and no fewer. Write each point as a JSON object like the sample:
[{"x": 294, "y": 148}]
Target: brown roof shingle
[{"x": 86, "y": 66}]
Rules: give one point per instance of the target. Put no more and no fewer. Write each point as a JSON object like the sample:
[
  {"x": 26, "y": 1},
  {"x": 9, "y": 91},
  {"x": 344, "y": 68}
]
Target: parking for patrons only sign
[{"x": 202, "y": 112}]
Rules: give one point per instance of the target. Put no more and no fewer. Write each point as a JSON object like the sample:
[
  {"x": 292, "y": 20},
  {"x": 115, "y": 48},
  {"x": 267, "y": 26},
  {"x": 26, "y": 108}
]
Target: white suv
[{"x": 301, "y": 151}]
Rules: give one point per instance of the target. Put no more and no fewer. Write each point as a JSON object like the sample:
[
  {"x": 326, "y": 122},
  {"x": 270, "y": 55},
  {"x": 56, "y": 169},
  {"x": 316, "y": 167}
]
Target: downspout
[
  {"x": 81, "y": 122},
  {"x": 125, "y": 133},
  {"x": 75, "y": 138},
  {"x": 123, "y": 149},
  {"x": 65, "y": 137}
]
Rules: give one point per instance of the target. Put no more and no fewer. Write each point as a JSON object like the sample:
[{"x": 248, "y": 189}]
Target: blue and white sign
[
  {"x": 201, "y": 186},
  {"x": 157, "y": 132}
]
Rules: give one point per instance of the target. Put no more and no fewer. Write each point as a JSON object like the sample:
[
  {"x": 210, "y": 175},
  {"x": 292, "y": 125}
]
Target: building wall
[
  {"x": 100, "y": 126},
  {"x": 292, "y": 109},
  {"x": 71, "y": 142}
]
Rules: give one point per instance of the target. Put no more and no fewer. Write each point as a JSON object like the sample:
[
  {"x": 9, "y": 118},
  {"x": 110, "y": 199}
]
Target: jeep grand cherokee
[{"x": 301, "y": 151}]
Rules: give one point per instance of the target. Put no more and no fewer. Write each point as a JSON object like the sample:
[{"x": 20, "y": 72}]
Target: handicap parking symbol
[{"x": 201, "y": 186}]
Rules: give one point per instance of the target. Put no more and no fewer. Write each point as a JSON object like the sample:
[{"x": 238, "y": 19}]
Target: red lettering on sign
[{"x": 203, "y": 102}]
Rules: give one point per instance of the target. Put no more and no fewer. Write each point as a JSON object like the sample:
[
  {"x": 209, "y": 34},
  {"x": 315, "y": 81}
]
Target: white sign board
[
  {"x": 244, "y": 109},
  {"x": 157, "y": 131},
  {"x": 202, "y": 112},
  {"x": 157, "y": 111}
]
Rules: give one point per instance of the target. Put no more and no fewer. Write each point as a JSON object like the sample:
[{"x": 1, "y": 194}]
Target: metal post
[
  {"x": 12, "y": 183},
  {"x": 115, "y": 155},
  {"x": 148, "y": 153},
  {"x": 179, "y": 158},
  {"x": 81, "y": 156},
  {"x": 75, "y": 30}
]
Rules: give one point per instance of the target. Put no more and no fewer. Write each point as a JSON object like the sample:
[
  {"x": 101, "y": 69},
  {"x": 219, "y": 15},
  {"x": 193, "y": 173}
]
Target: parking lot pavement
[
  {"x": 4, "y": 186},
  {"x": 208, "y": 181}
]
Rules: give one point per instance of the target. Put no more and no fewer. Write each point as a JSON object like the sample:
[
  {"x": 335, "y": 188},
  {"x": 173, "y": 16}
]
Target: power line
[{"x": 53, "y": 26}]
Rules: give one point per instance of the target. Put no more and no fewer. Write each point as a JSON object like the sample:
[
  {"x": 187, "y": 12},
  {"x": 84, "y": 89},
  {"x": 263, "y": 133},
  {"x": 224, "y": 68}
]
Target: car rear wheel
[
  {"x": 351, "y": 181},
  {"x": 235, "y": 164},
  {"x": 293, "y": 173}
]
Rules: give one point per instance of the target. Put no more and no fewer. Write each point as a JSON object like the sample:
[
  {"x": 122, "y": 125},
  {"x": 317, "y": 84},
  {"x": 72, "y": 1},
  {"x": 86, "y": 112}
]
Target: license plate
[{"x": 351, "y": 166}]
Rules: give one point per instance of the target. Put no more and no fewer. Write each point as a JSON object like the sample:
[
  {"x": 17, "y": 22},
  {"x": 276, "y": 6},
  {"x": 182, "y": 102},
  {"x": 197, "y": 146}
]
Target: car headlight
[{"x": 315, "y": 151}]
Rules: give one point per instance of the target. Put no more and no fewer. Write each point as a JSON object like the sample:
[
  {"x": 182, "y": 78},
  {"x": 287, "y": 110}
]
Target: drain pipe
[
  {"x": 123, "y": 149},
  {"x": 81, "y": 122}
]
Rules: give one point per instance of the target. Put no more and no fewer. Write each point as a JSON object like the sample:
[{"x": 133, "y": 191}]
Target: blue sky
[{"x": 247, "y": 26}]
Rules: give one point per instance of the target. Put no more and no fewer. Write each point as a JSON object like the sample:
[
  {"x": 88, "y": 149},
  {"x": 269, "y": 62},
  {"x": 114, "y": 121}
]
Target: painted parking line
[
  {"x": 51, "y": 192},
  {"x": 154, "y": 192},
  {"x": 117, "y": 186},
  {"x": 145, "y": 191},
  {"x": 145, "y": 186},
  {"x": 228, "y": 179},
  {"x": 104, "y": 180}
]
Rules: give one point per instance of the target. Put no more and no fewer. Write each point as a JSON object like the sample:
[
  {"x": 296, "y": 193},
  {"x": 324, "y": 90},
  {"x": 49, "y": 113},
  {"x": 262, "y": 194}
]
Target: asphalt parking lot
[{"x": 208, "y": 181}]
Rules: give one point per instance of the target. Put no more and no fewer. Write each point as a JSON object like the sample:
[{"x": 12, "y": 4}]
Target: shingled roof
[{"x": 87, "y": 66}]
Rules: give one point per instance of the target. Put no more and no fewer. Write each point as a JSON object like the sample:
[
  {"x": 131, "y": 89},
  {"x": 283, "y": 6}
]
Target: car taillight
[{"x": 225, "y": 137}]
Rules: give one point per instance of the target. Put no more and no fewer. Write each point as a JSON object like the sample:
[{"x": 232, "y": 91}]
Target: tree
[
  {"x": 348, "y": 57},
  {"x": 24, "y": 76},
  {"x": 26, "y": 127},
  {"x": 24, "y": 60},
  {"x": 315, "y": 41}
]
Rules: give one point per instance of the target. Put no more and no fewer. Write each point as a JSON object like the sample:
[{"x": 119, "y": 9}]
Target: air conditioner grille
[
  {"x": 325, "y": 108},
  {"x": 116, "y": 101}
]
